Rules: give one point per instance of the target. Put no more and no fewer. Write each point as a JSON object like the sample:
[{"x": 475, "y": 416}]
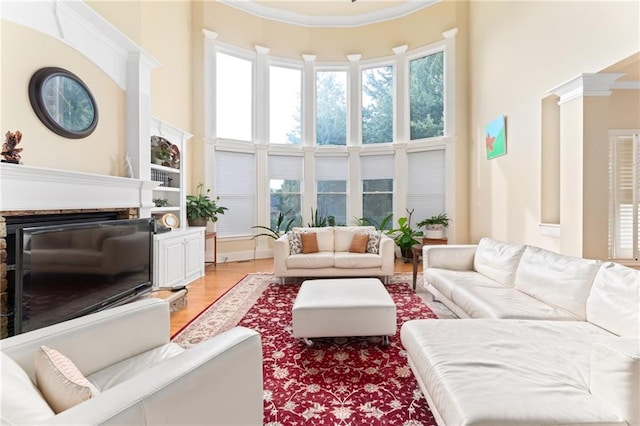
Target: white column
[
  {"x": 262, "y": 198},
  {"x": 261, "y": 97},
  {"x": 308, "y": 98},
  {"x": 401, "y": 122},
  {"x": 309, "y": 193},
  {"x": 354, "y": 194},
  {"x": 353, "y": 101}
]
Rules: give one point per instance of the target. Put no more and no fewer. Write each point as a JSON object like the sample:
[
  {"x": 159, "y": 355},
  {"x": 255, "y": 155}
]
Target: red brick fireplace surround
[{"x": 29, "y": 191}]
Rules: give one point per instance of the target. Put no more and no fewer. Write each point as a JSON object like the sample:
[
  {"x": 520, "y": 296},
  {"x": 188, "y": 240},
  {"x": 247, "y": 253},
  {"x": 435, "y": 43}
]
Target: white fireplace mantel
[{"x": 36, "y": 188}]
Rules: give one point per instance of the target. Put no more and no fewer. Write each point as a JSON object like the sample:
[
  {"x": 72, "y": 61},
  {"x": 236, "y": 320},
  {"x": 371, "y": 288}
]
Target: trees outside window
[
  {"x": 331, "y": 107},
  {"x": 377, "y": 105},
  {"x": 377, "y": 199},
  {"x": 332, "y": 200},
  {"x": 285, "y": 85},
  {"x": 426, "y": 96},
  {"x": 286, "y": 199}
]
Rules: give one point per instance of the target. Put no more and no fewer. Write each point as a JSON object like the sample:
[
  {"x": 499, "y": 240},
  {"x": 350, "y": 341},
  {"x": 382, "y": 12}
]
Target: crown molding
[
  {"x": 586, "y": 84},
  {"x": 294, "y": 18}
]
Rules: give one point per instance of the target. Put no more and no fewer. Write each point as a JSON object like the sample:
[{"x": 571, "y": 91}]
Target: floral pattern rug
[{"x": 340, "y": 381}]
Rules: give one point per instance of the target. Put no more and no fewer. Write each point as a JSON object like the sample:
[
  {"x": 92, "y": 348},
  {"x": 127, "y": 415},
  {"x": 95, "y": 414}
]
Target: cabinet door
[
  {"x": 173, "y": 262},
  {"x": 194, "y": 256}
]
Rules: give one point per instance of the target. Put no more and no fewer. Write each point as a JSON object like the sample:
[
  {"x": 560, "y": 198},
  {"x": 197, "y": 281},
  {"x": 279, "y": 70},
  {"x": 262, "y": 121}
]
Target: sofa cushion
[
  {"x": 60, "y": 381},
  {"x": 325, "y": 236},
  {"x": 323, "y": 259},
  {"x": 357, "y": 260},
  {"x": 498, "y": 260},
  {"x": 483, "y": 300},
  {"x": 309, "y": 242},
  {"x": 559, "y": 280},
  {"x": 497, "y": 372},
  {"x": 614, "y": 300},
  {"x": 615, "y": 375},
  {"x": 343, "y": 236},
  {"x": 445, "y": 280},
  {"x": 359, "y": 243},
  {"x": 21, "y": 402},
  {"x": 295, "y": 242}
]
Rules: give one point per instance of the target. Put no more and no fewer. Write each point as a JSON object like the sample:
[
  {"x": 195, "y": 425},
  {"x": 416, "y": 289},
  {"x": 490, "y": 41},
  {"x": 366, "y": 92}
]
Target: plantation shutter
[
  {"x": 235, "y": 184},
  {"x": 377, "y": 167},
  {"x": 625, "y": 189},
  {"x": 426, "y": 184}
]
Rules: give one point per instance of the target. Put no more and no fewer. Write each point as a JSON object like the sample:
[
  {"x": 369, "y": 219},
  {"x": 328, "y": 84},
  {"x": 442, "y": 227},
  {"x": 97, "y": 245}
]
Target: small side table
[
  {"x": 417, "y": 254},
  {"x": 207, "y": 236}
]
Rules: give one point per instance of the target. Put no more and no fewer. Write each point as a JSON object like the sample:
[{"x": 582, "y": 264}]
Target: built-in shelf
[
  {"x": 164, "y": 209},
  {"x": 166, "y": 189},
  {"x": 164, "y": 168}
]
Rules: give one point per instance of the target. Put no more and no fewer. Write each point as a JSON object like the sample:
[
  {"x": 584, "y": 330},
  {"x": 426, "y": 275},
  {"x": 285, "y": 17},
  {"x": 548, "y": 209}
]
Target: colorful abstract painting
[{"x": 496, "y": 138}]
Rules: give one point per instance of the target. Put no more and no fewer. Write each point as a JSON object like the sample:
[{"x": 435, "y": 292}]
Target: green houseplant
[
  {"x": 201, "y": 208},
  {"x": 405, "y": 236},
  {"x": 281, "y": 227},
  {"x": 435, "y": 225}
]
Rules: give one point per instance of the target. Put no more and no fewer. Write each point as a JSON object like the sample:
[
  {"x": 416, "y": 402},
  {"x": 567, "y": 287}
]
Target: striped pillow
[{"x": 60, "y": 381}]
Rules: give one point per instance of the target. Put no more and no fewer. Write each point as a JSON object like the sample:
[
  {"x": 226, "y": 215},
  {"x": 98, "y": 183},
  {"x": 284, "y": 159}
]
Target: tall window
[
  {"x": 426, "y": 183},
  {"x": 233, "y": 97},
  {"x": 377, "y": 187},
  {"x": 377, "y": 105},
  {"x": 235, "y": 185},
  {"x": 624, "y": 169},
  {"x": 331, "y": 187},
  {"x": 285, "y": 85},
  {"x": 426, "y": 96},
  {"x": 285, "y": 176},
  {"x": 331, "y": 107}
]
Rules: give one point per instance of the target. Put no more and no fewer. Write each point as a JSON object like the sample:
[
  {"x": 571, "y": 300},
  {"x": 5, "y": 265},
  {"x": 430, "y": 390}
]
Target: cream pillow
[{"x": 60, "y": 381}]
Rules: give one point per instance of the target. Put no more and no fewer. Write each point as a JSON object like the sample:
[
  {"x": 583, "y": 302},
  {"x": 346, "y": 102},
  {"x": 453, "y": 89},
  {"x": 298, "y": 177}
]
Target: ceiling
[{"x": 329, "y": 13}]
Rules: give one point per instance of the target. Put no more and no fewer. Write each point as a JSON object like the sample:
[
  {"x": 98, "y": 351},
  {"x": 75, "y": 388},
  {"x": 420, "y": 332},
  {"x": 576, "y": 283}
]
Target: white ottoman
[{"x": 343, "y": 307}]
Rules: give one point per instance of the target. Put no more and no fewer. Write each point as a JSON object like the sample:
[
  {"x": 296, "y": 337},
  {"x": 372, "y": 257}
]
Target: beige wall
[
  {"x": 623, "y": 109},
  {"x": 24, "y": 51},
  {"x": 518, "y": 52}
]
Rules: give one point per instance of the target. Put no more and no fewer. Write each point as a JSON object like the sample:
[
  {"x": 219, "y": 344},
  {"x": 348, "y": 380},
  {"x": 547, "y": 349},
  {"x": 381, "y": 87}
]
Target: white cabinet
[{"x": 178, "y": 257}]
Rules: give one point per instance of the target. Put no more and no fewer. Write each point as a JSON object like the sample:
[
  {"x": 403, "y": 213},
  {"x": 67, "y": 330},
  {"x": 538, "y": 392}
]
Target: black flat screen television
[{"x": 67, "y": 271}]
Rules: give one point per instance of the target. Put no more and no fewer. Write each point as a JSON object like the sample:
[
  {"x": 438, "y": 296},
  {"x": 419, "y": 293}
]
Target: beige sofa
[
  {"x": 333, "y": 258},
  {"x": 143, "y": 378},
  {"x": 544, "y": 339}
]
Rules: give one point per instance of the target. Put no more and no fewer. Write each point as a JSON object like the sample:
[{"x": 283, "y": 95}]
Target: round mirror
[{"x": 63, "y": 102}]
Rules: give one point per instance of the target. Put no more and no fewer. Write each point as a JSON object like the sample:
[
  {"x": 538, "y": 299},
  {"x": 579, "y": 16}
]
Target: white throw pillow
[
  {"x": 295, "y": 242},
  {"x": 498, "y": 260},
  {"x": 60, "y": 381}
]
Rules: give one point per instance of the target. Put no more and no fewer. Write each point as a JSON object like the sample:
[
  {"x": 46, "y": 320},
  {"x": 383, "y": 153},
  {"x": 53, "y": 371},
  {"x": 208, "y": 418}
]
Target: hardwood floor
[{"x": 221, "y": 277}]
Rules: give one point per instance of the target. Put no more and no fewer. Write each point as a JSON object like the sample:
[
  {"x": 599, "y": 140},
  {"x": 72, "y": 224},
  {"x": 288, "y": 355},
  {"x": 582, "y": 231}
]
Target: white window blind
[
  {"x": 331, "y": 168},
  {"x": 426, "y": 183},
  {"x": 377, "y": 167},
  {"x": 285, "y": 167},
  {"x": 624, "y": 170},
  {"x": 235, "y": 185}
]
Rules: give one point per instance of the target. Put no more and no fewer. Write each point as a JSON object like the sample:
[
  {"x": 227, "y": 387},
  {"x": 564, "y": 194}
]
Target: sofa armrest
[
  {"x": 219, "y": 381},
  {"x": 388, "y": 252},
  {"x": 280, "y": 255},
  {"x": 615, "y": 375},
  {"x": 97, "y": 340},
  {"x": 454, "y": 257}
]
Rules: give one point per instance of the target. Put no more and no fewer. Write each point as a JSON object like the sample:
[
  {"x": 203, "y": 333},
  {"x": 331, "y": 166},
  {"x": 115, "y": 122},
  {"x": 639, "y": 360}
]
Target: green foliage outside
[
  {"x": 377, "y": 112},
  {"x": 331, "y": 109},
  {"x": 426, "y": 93}
]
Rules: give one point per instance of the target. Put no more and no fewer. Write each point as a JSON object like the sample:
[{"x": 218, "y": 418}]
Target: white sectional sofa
[
  {"x": 333, "y": 258},
  {"x": 544, "y": 339}
]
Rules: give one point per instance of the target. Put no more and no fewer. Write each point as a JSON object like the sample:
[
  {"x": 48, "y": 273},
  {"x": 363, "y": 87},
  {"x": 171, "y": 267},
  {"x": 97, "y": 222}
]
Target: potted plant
[
  {"x": 435, "y": 225},
  {"x": 279, "y": 229},
  {"x": 405, "y": 236},
  {"x": 201, "y": 208}
]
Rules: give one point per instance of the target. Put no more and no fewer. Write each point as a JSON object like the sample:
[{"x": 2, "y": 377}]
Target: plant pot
[
  {"x": 434, "y": 231},
  {"x": 197, "y": 221},
  {"x": 407, "y": 254}
]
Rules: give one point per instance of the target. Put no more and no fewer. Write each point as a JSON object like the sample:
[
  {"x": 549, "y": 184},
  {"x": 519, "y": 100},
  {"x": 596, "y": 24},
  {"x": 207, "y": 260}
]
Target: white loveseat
[
  {"x": 544, "y": 339},
  {"x": 143, "y": 378},
  {"x": 333, "y": 258}
]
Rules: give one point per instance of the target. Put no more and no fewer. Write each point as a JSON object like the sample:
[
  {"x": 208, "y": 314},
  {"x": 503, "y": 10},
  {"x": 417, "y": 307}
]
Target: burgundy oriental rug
[{"x": 340, "y": 381}]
